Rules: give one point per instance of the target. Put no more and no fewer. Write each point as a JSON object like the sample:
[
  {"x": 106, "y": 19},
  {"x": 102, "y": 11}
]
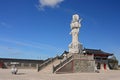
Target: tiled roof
[{"x": 97, "y": 51}]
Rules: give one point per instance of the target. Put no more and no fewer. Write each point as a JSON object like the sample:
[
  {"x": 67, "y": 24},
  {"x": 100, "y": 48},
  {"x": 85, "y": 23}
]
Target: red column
[{"x": 105, "y": 66}]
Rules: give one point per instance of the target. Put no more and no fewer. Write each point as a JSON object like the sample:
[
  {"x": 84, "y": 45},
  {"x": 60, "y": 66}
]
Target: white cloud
[
  {"x": 49, "y": 3},
  {"x": 10, "y": 50},
  {"x": 5, "y": 48},
  {"x": 3, "y": 24},
  {"x": 33, "y": 45}
]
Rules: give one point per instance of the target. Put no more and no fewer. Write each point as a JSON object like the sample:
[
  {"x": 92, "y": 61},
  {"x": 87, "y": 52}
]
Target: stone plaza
[{"x": 32, "y": 74}]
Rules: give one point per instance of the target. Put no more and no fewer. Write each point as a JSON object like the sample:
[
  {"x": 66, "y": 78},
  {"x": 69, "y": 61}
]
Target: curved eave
[{"x": 97, "y": 52}]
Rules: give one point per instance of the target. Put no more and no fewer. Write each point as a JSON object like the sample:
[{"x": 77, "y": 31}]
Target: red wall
[{"x": 1, "y": 64}]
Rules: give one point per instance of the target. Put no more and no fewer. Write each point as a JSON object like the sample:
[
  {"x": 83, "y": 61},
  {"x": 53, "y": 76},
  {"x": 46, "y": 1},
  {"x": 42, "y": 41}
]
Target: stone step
[{"x": 49, "y": 68}]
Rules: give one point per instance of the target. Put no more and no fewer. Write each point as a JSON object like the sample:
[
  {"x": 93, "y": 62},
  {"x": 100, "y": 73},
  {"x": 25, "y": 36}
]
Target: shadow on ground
[{"x": 20, "y": 74}]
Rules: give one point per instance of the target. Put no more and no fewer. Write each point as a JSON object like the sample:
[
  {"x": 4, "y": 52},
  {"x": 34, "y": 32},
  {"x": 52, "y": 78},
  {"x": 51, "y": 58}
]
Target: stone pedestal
[{"x": 78, "y": 63}]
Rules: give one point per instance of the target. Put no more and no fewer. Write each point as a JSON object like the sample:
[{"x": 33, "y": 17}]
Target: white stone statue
[{"x": 75, "y": 46}]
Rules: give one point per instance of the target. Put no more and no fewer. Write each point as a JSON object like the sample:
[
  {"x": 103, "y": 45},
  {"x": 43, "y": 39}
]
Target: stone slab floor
[{"x": 32, "y": 74}]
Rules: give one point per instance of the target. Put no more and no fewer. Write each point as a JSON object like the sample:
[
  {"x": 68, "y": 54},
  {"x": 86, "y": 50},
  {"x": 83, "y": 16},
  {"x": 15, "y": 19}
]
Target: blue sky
[{"x": 38, "y": 29}]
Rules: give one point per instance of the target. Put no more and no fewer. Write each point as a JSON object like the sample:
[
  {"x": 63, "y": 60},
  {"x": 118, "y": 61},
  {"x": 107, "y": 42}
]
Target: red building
[{"x": 101, "y": 58}]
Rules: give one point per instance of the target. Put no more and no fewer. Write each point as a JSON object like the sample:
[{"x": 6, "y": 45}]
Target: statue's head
[{"x": 75, "y": 17}]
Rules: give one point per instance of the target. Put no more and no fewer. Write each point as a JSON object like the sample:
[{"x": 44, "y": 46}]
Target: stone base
[
  {"x": 79, "y": 63},
  {"x": 84, "y": 65},
  {"x": 75, "y": 48}
]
